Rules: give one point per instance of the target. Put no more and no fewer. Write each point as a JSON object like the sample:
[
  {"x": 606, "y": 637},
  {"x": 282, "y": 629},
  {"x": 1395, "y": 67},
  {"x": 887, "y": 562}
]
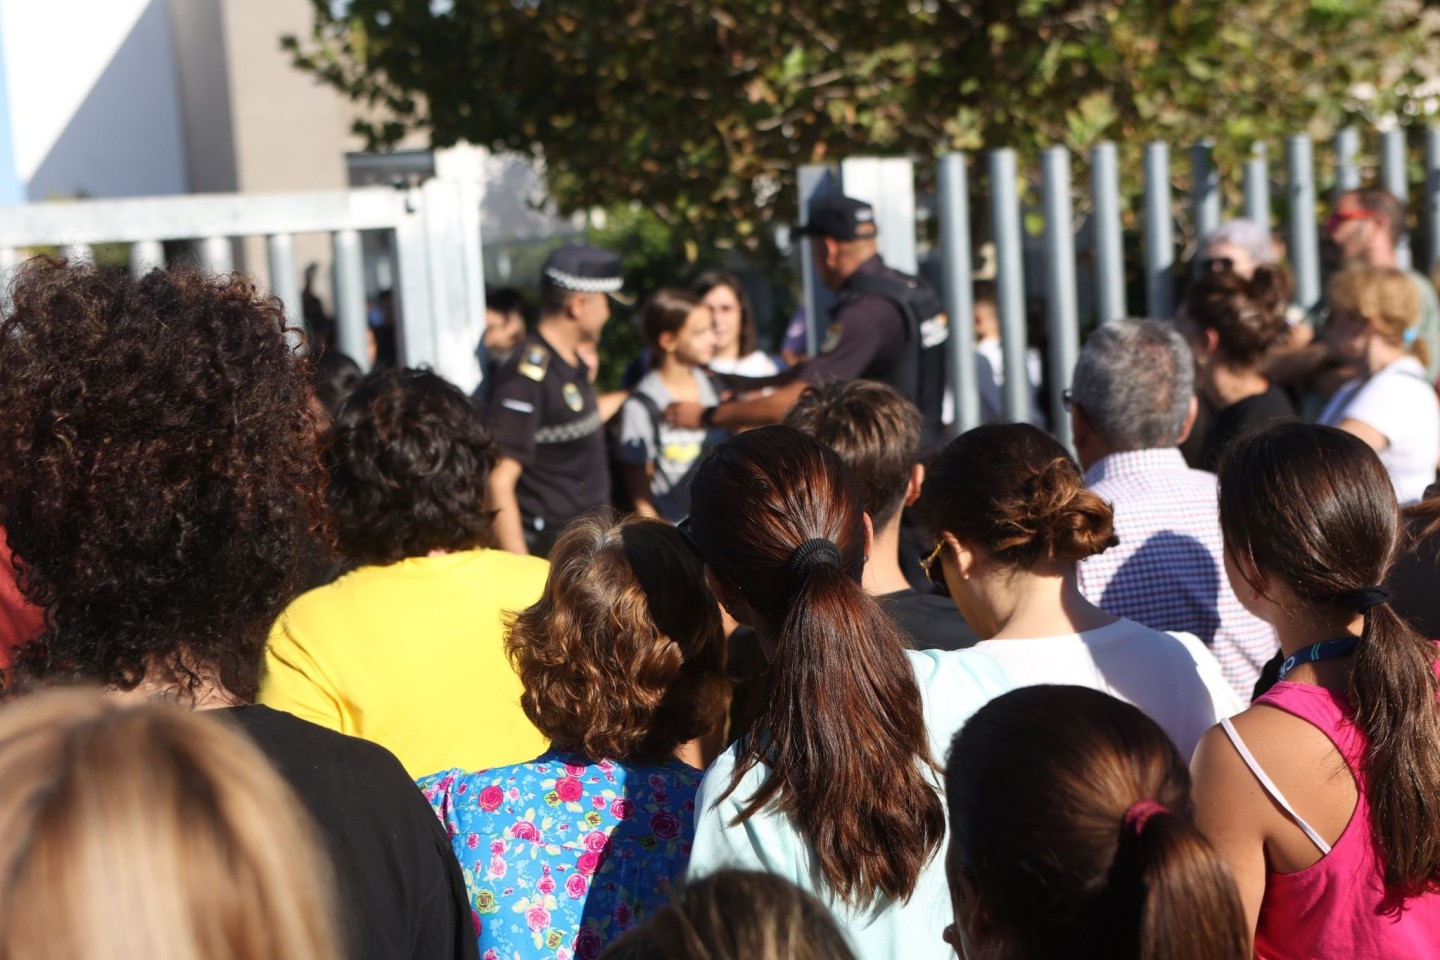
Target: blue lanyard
[{"x": 1324, "y": 650}]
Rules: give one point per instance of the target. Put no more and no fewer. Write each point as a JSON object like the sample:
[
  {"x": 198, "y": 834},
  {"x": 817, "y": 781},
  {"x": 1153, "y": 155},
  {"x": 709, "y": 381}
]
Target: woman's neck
[
  {"x": 1300, "y": 632},
  {"x": 1044, "y": 601},
  {"x": 1225, "y": 385},
  {"x": 678, "y": 377},
  {"x": 1381, "y": 353},
  {"x": 206, "y": 694},
  {"x": 732, "y": 352}
]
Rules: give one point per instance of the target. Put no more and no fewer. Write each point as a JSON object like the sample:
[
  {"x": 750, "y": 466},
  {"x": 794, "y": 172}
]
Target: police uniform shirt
[
  {"x": 545, "y": 417},
  {"x": 866, "y": 339}
]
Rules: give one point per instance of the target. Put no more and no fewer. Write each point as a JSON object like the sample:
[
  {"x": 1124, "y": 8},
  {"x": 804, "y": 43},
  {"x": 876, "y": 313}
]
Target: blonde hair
[
  {"x": 165, "y": 830},
  {"x": 737, "y": 915},
  {"x": 1385, "y": 296}
]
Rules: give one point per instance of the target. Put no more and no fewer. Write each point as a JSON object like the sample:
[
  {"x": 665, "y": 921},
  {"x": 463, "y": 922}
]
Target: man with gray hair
[{"x": 1131, "y": 404}]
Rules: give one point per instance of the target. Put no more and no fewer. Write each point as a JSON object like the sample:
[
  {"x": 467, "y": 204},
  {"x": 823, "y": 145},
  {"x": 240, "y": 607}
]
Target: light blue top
[{"x": 953, "y": 685}]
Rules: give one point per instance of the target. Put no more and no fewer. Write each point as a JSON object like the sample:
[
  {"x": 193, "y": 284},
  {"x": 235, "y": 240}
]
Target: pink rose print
[
  {"x": 606, "y": 765},
  {"x": 574, "y": 771},
  {"x": 569, "y": 789},
  {"x": 472, "y": 840},
  {"x": 665, "y": 826},
  {"x": 546, "y": 884},
  {"x": 598, "y": 802},
  {"x": 596, "y": 841},
  {"x": 587, "y": 944},
  {"x": 491, "y": 955},
  {"x": 563, "y": 953},
  {"x": 497, "y": 847},
  {"x": 537, "y": 917},
  {"x": 588, "y": 863},
  {"x": 657, "y": 782},
  {"x": 622, "y": 914},
  {"x": 525, "y": 830},
  {"x": 477, "y": 923},
  {"x": 514, "y": 793},
  {"x": 576, "y": 886},
  {"x": 497, "y": 868},
  {"x": 490, "y": 798},
  {"x": 622, "y": 809}
]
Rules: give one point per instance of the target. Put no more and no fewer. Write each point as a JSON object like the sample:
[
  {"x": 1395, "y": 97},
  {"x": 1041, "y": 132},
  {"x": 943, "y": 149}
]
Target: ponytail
[{"x": 1394, "y": 690}]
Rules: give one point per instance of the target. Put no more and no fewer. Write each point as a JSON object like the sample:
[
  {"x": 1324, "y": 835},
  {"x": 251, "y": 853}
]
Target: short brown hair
[
  {"x": 874, "y": 430},
  {"x": 623, "y": 656},
  {"x": 1384, "y": 203},
  {"x": 665, "y": 311}
]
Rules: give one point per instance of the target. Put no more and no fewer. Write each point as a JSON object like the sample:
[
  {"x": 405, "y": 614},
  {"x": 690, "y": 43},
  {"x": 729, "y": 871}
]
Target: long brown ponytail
[
  {"x": 1071, "y": 819},
  {"x": 1314, "y": 507},
  {"x": 843, "y": 732}
]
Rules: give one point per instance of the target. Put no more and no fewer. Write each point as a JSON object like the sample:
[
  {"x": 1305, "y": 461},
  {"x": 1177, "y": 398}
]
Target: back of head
[
  {"x": 167, "y": 829},
  {"x": 777, "y": 516},
  {"x": 1313, "y": 508},
  {"x": 408, "y": 464},
  {"x": 1088, "y": 847},
  {"x": 1246, "y": 235},
  {"x": 1248, "y": 316},
  {"x": 736, "y": 915},
  {"x": 1386, "y": 296},
  {"x": 335, "y": 377},
  {"x": 875, "y": 431},
  {"x": 623, "y": 656},
  {"x": 159, "y": 470},
  {"x": 665, "y": 311},
  {"x": 1012, "y": 489},
  {"x": 1134, "y": 381}
]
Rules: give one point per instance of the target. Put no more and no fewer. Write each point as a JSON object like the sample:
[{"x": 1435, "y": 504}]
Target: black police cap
[{"x": 843, "y": 218}]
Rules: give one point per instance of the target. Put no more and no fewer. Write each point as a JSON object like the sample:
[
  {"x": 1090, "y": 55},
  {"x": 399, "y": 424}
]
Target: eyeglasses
[
  {"x": 1067, "y": 397},
  {"x": 1341, "y": 216},
  {"x": 1218, "y": 265},
  {"x": 935, "y": 569}
]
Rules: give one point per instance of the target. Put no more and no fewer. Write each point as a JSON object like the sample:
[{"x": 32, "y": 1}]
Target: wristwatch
[{"x": 707, "y": 416}]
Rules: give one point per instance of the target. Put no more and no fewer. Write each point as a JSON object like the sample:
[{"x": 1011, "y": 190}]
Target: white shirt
[
  {"x": 1398, "y": 402},
  {"x": 1170, "y": 676},
  {"x": 757, "y": 364}
]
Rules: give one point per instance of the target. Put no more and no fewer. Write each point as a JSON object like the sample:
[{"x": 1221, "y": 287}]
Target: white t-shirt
[
  {"x": 953, "y": 685},
  {"x": 1170, "y": 676},
  {"x": 1400, "y": 403},
  {"x": 757, "y": 364}
]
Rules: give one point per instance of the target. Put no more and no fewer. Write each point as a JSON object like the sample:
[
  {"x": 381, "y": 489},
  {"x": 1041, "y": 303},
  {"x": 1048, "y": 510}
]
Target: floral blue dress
[{"x": 562, "y": 855}]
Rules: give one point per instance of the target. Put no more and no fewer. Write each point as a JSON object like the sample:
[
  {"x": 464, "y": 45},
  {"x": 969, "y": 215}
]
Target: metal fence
[
  {"x": 435, "y": 229},
  {"x": 1102, "y": 233}
]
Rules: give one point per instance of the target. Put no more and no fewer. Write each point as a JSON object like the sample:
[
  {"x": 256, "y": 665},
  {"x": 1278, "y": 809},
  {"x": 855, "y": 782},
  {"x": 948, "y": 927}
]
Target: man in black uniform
[
  {"x": 886, "y": 326},
  {"x": 548, "y": 423}
]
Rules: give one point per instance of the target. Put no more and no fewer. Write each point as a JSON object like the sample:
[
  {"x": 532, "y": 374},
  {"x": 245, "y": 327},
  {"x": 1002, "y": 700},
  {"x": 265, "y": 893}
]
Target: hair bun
[{"x": 1071, "y": 521}]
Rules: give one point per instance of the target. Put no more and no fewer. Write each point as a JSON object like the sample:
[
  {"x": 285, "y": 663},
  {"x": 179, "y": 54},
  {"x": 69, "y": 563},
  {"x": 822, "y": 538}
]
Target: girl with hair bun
[
  {"x": 1324, "y": 796},
  {"x": 1087, "y": 848},
  {"x": 837, "y": 787},
  {"x": 1013, "y": 518}
]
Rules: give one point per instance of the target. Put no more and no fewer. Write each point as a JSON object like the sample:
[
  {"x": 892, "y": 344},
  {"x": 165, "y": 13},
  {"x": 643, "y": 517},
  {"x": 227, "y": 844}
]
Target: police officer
[
  {"x": 548, "y": 423},
  {"x": 885, "y": 326}
]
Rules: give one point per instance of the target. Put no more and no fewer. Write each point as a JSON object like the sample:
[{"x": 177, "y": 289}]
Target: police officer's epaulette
[{"x": 534, "y": 362}]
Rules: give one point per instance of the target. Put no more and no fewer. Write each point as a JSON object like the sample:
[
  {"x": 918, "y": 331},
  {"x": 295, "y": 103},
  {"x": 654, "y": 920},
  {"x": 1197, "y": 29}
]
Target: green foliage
[{"x": 702, "y": 111}]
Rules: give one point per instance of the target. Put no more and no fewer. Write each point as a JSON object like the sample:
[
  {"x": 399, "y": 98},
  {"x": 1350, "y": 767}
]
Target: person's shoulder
[
  {"x": 490, "y": 562},
  {"x": 949, "y": 674},
  {"x": 530, "y": 361}
]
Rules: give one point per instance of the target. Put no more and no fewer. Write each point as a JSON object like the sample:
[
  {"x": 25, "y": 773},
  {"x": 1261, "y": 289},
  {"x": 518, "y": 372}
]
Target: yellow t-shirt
[{"x": 411, "y": 656}]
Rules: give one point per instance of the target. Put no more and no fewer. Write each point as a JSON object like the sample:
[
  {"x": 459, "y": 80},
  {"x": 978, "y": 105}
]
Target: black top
[
  {"x": 1241, "y": 417},
  {"x": 544, "y": 416},
  {"x": 401, "y": 894},
  {"x": 931, "y": 620},
  {"x": 1415, "y": 584}
]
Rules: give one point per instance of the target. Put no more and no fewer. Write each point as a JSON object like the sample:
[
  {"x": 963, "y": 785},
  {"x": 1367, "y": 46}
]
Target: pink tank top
[{"x": 1338, "y": 906}]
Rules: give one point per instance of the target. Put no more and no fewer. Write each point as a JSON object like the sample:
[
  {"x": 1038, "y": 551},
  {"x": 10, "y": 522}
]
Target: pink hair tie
[{"x": 1139, "y": 813}]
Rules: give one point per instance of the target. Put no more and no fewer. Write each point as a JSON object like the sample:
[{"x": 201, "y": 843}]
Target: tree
[{"x": 702, "y": 111}]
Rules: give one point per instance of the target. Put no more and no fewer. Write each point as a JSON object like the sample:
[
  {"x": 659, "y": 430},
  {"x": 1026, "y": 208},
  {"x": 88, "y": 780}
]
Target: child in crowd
[{"x": 659, "y": 460}]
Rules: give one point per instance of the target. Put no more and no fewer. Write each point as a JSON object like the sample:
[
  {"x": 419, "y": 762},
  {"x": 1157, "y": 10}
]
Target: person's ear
[
  {"x": 869, "y": 535},
  {"x": 967, "y": 560},
  {"x": 916, "y": 484},
  {"x": 666, "y": 342},
  {"x": 1212, "y": 340},
  {"x": 973, "y": 927},
  {"x": 1254, "y": 579},
  {"x": 1079, "y": 426},
  {"x": 832, "y": 251},
  {"x": 1190, "y": 414}
]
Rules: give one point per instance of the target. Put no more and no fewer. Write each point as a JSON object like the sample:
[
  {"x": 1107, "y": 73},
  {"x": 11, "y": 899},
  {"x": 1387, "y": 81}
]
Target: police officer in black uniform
[
  {"x": 548, "y": 423},
  {"x": 885, "y": 326}
]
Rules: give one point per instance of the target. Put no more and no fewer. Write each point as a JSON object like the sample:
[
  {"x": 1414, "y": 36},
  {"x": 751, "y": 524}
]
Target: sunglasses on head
[
  {"x": 935, "y": 570},
  {"x": 1341, "y": 216}
]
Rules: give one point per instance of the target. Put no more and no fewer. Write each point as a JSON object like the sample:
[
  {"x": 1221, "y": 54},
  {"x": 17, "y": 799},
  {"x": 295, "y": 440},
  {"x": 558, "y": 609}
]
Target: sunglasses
[
  {"x": 1341, "y": 216},
  {"x": 935, "y": 570}
]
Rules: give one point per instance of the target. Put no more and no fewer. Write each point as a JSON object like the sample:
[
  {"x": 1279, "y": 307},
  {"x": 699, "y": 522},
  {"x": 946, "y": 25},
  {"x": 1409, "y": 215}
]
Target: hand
[{"x": 685, "y": 414}]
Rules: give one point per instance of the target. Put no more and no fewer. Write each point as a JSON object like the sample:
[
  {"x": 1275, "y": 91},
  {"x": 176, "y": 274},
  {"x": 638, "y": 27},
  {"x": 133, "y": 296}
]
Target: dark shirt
[
  {"x": 866, "y": 339},
  {"x": 1241, "y": 417},
  {"x": 931, "y": 620},
  {"x": 1415, "y": 584},
  {"x": 401, "y": 894},
  {"x": 544, "y": 415}
]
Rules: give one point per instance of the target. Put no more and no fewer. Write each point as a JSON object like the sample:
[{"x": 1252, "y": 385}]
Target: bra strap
[{"x": 1269, "y": 785}]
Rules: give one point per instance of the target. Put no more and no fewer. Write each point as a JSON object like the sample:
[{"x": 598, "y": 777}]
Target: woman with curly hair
[
  {"x": 159, "y": 479},
  {"x": 623, "y": 662},
  {"x": 387, "y": 650},
  {"x": 1013, "y": 518}
]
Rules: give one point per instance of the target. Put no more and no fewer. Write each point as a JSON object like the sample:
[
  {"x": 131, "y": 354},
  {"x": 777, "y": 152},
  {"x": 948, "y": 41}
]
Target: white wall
[{"x": 93, "y": 102}]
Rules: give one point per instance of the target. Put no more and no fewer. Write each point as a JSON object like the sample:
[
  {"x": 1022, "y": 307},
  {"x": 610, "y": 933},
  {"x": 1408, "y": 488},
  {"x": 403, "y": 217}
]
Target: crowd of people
[{"x": 304, "y": 663}]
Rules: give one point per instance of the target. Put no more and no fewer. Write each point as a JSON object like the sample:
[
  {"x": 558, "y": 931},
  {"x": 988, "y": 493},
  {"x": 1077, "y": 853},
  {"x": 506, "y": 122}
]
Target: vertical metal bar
[
  {"x": 888, "y": 185},
  {"x": 1395, "y": 178},
  {"x": 9, "y": 264},
  {"x": 1010, "y": 282},
  {"x": 146, "y": 255},
  {"x": 1432, "y": 196},
  {"x": 284, "y": 278},
  {"x": 350, "y": 296},
  {"x": 1347, "y": 167},
  {"x": 1060, "y": 283},
  {"x": 415, "y": 309},
  {"x": 1257, "y": 186},
  {"x": 956, "y": 267},
  {"x": 217, "y": 255},
  {"x": 1109, "y": 251},
  {"x": 1205, "y": 185},
  {"x": 813, "y": 181},
  {"x": 1304, "y": 241},
  {"x": 1159, "y": 233}
]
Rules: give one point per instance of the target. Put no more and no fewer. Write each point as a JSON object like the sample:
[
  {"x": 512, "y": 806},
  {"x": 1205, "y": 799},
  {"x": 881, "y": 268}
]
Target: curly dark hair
[
  {"x": 159, "y": 472},
  {"x": 408, "y": 463},
  {"x": 623, "y": 656}
]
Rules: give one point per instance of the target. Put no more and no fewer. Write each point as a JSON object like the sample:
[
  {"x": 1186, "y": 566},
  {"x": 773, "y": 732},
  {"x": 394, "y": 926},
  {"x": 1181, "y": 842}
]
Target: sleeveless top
[{"x": 1337, "y": 906}]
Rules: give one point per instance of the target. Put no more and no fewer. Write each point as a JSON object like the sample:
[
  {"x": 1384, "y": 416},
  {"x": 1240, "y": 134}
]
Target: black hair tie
[
  {"x": 1367, "y": 597},
  {"x": 811, "y": 554}
]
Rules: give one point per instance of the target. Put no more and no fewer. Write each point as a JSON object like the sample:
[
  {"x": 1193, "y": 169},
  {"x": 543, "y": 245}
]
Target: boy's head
[
  {"x": 676, "y": 323},
  {"x": 875, "y": 432}
]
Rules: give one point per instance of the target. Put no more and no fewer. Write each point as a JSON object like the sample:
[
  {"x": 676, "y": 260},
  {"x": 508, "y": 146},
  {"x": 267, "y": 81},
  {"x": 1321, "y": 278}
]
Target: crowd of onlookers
[{"x": 793, "y": 689}]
